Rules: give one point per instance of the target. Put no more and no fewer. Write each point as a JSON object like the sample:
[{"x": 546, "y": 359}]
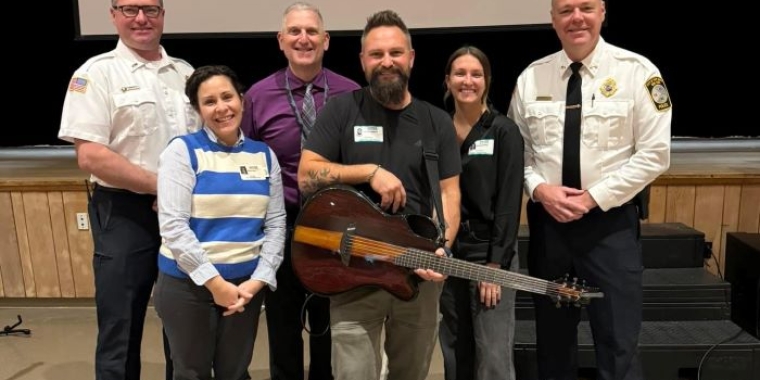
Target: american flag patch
[{"x": 78, "y": 84}]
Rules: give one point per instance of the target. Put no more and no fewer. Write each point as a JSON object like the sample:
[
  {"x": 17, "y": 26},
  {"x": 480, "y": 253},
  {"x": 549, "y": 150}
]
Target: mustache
[
  {"x": 378, "y": 71},
  {"x": 388, "y": 92},
  {"x": 382, "y": 71}
]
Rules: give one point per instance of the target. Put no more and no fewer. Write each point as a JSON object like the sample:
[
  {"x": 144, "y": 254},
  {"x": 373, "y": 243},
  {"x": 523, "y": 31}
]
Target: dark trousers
[
  {"x": 206, "y": 345},
  {"x": 284, "y": 326},
  {"x": 126, "y": 239},
  {"x": 476, "y": 341},
  {"x": 604, "y": 249}
]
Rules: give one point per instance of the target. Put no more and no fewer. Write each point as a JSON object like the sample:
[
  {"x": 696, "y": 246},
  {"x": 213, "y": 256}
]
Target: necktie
[
  {"x": 571, "y": 151},
  {"x": 309, "y": 112}
]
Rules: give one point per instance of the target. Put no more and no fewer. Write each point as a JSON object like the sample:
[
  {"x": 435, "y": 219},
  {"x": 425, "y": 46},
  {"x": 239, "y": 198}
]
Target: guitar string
[
  {"x": 366, "y": 247},
  {"x": 381, "y": 249}
]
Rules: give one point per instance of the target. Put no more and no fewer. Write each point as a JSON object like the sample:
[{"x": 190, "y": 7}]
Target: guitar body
[{"x": 339, "y": 209}]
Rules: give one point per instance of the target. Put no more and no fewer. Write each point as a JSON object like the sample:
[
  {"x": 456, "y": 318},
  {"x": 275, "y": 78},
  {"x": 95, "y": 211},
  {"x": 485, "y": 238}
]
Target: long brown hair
[{"x": 481, "y": 57}]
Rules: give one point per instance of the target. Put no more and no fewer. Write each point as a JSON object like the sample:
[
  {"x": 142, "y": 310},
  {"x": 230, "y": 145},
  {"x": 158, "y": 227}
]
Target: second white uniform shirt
[{"x": 625, "y": 128}]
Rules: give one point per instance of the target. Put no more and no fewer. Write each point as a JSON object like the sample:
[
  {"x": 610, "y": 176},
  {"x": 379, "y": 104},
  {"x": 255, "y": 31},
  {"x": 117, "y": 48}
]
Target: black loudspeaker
[{"x": 743, "y": 272}]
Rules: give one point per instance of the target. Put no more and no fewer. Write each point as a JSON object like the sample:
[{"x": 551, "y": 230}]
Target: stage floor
[{"x": 62, "y": 345}]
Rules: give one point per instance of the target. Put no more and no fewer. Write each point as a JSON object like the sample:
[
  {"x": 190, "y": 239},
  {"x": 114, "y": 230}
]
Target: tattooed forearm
[{"x": 318, "y": 179}]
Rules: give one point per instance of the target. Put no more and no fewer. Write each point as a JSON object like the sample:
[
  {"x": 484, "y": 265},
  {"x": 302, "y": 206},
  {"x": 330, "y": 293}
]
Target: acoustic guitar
[{"x": 343, "y": 241}]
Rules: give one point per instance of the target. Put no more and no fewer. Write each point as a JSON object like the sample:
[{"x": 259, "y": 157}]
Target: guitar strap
[{"x": 430, "y": 154}]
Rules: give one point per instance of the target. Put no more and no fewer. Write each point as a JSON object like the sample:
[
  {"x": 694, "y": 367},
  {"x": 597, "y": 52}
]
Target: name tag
[
  {"x": 368, "y": 133},
  {"x": 253, "y": 172},
  {"x": 481, "y": 148}
]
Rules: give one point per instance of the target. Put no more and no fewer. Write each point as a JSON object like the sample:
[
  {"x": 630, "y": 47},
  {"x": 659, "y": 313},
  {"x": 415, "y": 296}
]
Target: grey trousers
[
  {"x": 357, "y": 320},
  {"x": 476, "y": 341},
  {"x": 204, "y": 341}
]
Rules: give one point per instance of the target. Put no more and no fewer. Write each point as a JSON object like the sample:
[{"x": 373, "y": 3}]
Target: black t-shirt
[{"x": 354, "y": 128}]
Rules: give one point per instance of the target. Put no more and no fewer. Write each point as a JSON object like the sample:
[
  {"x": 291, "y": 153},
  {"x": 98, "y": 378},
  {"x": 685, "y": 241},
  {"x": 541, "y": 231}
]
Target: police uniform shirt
[
  {"x": 132, "y": 106},
  {"x": 625, "y": 128}
]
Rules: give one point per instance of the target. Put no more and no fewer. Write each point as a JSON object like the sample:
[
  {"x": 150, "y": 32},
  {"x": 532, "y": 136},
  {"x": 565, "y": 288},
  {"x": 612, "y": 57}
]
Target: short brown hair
[{"x": 386, "y": 18}]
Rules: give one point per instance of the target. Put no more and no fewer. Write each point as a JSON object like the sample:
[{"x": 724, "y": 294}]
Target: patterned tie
[
  {"x": 309, "y": 112},
  {"x": 571, "y": 150}
]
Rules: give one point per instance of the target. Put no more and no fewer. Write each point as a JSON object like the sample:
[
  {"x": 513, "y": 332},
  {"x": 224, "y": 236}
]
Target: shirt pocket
[
  {"x": 137, "y": 109},
  {"x": 545, "y": 122},
  {"x": 606, "y": 125}
]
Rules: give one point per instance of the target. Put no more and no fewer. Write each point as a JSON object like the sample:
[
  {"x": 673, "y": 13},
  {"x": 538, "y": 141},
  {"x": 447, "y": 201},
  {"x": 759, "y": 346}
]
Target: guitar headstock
[{"x": 575, "y": 292}]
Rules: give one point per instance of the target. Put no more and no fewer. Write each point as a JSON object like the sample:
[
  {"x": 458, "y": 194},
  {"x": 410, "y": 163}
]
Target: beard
[{"x": 389, "y": 92}]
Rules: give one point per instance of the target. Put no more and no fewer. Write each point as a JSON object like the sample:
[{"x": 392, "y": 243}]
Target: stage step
[
  {"x": 687, "y": 294},
  {"x": 664, "y": 245},
  {"x": 669, "y": 350}
]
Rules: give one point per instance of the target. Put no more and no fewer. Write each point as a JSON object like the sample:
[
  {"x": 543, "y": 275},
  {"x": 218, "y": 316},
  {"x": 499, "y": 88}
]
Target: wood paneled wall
[
  {"x": 712, "y": 206},
  {"x": 713, "y": 209},
  {"x": 44, "y": 255}
]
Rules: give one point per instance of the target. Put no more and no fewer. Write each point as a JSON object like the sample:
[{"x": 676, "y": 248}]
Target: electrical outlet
[{"x": 83, "y": 222}]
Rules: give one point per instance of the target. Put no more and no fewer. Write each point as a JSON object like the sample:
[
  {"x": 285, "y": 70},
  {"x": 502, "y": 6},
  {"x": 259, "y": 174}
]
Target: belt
[
  {"x": 99, "y": 187},
  {"x": 122, "y": 193}
]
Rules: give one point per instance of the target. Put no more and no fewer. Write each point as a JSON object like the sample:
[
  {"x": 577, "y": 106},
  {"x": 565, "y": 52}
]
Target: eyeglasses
[{"x": 151, "y": 11}]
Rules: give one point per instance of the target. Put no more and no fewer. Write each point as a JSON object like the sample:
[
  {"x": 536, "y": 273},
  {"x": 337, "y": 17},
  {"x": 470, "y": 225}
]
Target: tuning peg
[{"x": 575, "y": 282}]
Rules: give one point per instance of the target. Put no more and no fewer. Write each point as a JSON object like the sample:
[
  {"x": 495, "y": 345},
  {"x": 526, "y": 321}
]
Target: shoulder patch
[
  {"x": 78, "y": 84},
  {"x": 658, "y": 93}
]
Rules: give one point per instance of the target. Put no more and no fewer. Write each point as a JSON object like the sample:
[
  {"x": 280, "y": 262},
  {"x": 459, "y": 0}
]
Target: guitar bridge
[{"x": 346, "y": 243}]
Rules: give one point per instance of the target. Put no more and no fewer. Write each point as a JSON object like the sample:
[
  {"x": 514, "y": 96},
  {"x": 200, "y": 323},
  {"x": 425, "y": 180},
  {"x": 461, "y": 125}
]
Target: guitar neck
[
  {"x": 353, "y": 245},
  {"x": 414, "y": 258}
]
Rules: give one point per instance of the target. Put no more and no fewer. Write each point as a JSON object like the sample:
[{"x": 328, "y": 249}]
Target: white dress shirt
[{"x": 625, "y": 128}]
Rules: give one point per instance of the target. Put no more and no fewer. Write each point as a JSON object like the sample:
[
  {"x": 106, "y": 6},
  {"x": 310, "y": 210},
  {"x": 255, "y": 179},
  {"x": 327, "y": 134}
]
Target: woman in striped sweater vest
[{"x": 222, "y": 220}]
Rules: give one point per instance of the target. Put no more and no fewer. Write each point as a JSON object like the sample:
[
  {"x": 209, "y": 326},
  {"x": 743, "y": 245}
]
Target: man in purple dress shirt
[{"x": 275, "y": 114}]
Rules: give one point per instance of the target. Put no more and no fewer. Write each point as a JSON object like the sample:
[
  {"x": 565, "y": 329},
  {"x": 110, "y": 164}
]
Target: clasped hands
[
  {"x": 231, "y": 297},
  {"x": 564, "y": 204}
]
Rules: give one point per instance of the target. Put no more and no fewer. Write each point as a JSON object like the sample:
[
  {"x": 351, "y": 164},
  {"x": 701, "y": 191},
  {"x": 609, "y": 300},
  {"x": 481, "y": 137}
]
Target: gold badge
[
  {"x": 658, "y": 93},
  {"x": 608, "y": 88}
]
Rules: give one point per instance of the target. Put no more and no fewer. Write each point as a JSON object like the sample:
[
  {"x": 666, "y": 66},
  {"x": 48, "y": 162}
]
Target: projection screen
[{"x": 265, "y": 16}]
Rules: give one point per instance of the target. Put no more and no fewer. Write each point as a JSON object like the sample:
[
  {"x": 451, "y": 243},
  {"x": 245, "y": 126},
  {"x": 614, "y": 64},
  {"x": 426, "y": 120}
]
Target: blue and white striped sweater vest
[{"x": 229, "y": 204}]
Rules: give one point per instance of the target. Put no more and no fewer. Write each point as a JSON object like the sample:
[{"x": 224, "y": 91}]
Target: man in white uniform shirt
[
  {"x": 121, "y": 109},
  {"x": 586, "y": 224}
]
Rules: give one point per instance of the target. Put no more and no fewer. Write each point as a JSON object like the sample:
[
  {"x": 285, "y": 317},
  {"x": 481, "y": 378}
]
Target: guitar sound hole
[{"x": 423, "y": 226}]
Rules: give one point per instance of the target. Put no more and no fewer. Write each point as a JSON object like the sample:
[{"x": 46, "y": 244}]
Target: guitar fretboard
[{"x": 464, "y": 269}]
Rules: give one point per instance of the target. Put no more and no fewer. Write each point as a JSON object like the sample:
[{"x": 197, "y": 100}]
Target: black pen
[{"x": 593, "y": 96}]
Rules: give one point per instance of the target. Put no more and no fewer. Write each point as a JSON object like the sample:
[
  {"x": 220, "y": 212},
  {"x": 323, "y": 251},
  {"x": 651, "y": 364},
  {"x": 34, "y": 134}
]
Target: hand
[
  {"x": 584, "y": 200},
  {"x": 224, "y": 292},
  {"x": 246, "y": 291},
  {"x": 429, "y": 274},
  {"x": 490, "y": 294},
  {"x": 390, "y": 188},
  {"x": 556, "y": 201}
]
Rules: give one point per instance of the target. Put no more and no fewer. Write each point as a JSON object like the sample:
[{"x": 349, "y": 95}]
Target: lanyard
[{"x": 292, "y": 100}]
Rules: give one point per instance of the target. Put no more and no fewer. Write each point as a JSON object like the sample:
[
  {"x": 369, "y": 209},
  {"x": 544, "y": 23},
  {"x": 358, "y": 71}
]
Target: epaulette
[
  {"x": 543, "y": 61},
  {"x": 96, "y": 59},
  {"x": 627, "y": 55},
  {"x": 180, "y": 60}
]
